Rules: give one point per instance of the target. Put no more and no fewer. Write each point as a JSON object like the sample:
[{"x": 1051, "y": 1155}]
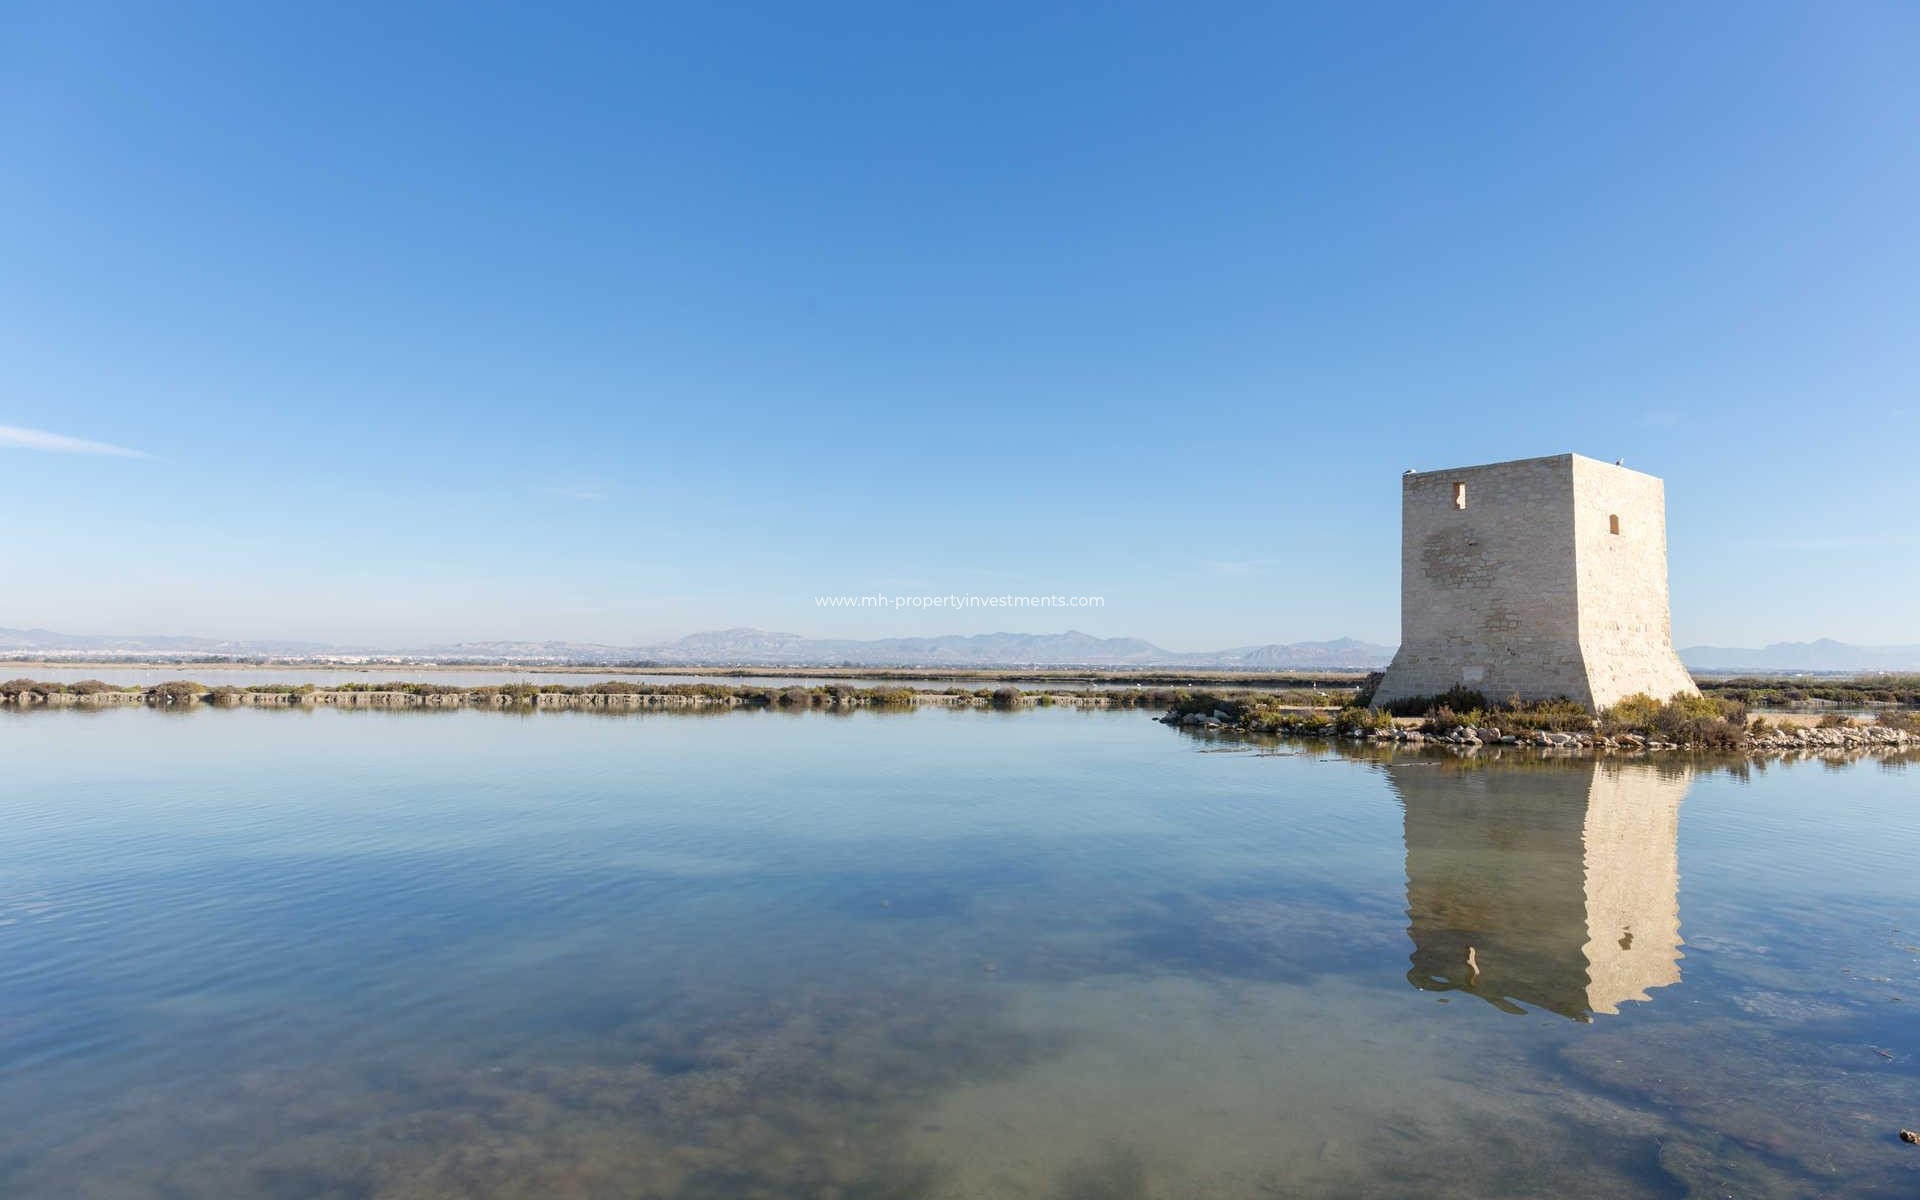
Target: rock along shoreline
[{"x": 1770, "y": 739}]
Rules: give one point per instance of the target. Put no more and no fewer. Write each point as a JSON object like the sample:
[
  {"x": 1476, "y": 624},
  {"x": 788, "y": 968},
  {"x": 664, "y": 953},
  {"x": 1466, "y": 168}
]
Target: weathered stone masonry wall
[
  {"x": 1488, "y": 592},
  {"x": 1626, "y": 633}
]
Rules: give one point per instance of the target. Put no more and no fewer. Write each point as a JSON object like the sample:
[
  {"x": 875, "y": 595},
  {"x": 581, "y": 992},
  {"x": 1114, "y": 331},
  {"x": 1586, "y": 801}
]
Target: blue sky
[{"x": 614, "y": 323}]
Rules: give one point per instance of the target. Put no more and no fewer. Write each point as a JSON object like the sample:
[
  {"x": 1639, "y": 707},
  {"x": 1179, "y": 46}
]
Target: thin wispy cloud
[{"x": 13, "y": 437}]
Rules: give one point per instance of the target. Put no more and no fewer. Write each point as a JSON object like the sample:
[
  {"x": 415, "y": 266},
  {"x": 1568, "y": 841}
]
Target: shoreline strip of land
[{"x": 1303, "y": 714}]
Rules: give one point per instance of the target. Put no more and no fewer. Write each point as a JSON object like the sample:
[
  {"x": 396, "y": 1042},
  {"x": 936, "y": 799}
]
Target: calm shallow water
[{"x": 1060, "y": 955}]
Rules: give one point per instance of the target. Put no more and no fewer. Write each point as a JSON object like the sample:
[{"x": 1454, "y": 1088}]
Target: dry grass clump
[
  {"x": 1705, "y": 722},
  {"x": 1901, "y": 719}
]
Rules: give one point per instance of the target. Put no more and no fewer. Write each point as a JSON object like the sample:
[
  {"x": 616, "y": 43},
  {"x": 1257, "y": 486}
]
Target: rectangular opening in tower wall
[
  {"x": 1613, "y": 523},
  {"x": 1460, "y": 495}
]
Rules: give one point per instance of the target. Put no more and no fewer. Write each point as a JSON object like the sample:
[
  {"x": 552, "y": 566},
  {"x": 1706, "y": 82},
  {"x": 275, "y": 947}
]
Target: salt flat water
[{"x": 1050, "y": 954}]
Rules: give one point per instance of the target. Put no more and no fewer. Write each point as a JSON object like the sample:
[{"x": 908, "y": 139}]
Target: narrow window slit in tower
[
  {"x": 1460, "y": 497},
  {"x": 1613, "y": 523}
]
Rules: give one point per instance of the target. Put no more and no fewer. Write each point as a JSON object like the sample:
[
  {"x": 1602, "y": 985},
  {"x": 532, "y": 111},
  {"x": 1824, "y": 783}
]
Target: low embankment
[
  {"x": 612, "y": 696},
  {"x": 1638, "y": 723}
]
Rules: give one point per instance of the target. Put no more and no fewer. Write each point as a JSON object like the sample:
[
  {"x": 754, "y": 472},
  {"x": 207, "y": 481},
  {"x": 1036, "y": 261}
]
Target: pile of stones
[{"x": 1843, "y": 737}]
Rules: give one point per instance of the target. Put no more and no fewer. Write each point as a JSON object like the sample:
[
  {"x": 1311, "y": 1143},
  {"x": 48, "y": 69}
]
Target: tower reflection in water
[{"x": 1550, "y": 883}]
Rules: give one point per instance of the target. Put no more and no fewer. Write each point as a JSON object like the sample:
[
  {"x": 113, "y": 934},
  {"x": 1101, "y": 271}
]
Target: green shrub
[
  {"x": 1634, "y": 713},
  {"x": 1006, "y": 697},
  {"x": 1445, "y": 719},
  {"x": 1903, "y": 690},
  {"x": 1358, "y": 718},
  {"x": 1708, "y": 733},
  {"x": 1704, "y": 722},
  {"x": 1558, "y": 715},
  {"x": 1458, "y": 698},
  {"x": 715, "y": 691},
  {"x": 1204, "y": 703},
  {"x": 1901, "y": 719},
  {"x": 1152, "y": 697},
  {"x": 1703, "y": 708},
  {"x": 1463, "y": 699}
]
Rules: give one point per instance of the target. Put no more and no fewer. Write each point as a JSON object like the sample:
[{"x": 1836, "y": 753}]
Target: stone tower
[{"x": 1538, "y": 578}]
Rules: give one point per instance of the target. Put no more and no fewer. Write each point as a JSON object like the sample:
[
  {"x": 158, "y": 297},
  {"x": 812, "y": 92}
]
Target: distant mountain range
[
  {"x": 761, "y": 648},
  {"x": 45, "y": 641},
  {"x": 1823, "y": 655}
]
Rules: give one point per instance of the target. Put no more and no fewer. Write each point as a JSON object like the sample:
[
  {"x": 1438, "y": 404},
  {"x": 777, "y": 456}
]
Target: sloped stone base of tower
[
  {"x": 1598, "y": 681},
  {"x": 1498, "y": 673},
  {"x": 1614, "y": 675}
]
